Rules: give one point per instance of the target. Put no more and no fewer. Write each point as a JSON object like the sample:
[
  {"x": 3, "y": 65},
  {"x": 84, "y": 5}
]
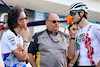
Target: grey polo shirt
[{"x": 48, "y": 53}]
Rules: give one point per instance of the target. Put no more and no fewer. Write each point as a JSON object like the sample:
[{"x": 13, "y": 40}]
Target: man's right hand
[
  {"x": 26, "y": 33},
  {"x": 73, "y": 30}
]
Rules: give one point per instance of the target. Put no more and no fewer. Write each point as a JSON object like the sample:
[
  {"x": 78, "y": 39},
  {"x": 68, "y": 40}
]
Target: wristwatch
[{"x": 70, "y": 65}]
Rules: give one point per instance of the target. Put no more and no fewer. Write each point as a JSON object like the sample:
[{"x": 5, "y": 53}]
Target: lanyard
[{"x": 51, "y": 38}]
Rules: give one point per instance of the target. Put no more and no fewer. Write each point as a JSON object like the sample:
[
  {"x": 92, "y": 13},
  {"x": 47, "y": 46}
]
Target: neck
[
  {"x": 83, "y": 23},
  {"x": 53, "y": 31},
  {"x": 17, "y": 30}
]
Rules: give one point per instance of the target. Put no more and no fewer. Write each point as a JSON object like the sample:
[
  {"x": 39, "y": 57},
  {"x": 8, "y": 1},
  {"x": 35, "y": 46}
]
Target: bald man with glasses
[{"x": 51, "y": 46}]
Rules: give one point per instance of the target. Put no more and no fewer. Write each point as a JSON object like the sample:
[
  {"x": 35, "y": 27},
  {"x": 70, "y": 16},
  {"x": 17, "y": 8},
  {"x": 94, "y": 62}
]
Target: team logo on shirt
[
  {"x": 32, "y": 40},
  {"x": 11, "y": 39},
  {"x": 81, "y": 37},
  {"x": 62, "y": 39}
]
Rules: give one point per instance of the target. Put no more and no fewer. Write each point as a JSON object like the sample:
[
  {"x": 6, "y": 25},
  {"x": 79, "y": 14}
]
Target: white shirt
[
  {"x": 88, "y": 39},
  {"x": 9, "y": 42}
]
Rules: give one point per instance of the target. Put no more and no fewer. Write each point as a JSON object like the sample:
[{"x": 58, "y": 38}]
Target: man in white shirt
[
  {"x": 87, "y": 37},
  {"x": 13, "y": 46}
]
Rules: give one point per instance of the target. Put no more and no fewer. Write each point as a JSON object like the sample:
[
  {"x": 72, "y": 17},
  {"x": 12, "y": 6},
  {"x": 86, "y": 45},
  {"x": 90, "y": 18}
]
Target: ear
[
  {"x": 46, "y": 23},
  {"x": 18, "y": 22},
  {"x": 82, "y": 13}
]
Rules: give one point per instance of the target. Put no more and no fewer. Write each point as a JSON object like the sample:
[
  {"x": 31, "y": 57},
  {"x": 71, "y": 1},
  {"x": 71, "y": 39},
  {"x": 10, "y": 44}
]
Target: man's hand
[
  {"x": 72, "y": 30},
  {"x": 26, "y": 33},
  {"x": 20, "y": 47}
]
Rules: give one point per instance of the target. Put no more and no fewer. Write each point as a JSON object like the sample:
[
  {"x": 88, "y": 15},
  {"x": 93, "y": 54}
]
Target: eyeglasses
[
  {"x": 24, "y": 18},
  {"x": 74, "y": 13},
  {"x": 54, "y": 21}
]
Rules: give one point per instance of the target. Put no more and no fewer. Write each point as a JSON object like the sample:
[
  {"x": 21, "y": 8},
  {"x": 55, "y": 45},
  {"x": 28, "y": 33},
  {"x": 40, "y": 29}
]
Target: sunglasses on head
[
  {"x": 74, "y": 13},
  {"x": 23, "y": 18},
  {"x": 54, "y": 21}
]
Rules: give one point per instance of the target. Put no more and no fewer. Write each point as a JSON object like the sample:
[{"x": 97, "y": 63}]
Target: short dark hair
[
  {"x": 85, "y": 14},
  {"x": 13, "y": 16}
]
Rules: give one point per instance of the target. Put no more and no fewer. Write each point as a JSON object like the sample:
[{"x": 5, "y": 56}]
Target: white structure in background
[{"x": 2, "y": 19}]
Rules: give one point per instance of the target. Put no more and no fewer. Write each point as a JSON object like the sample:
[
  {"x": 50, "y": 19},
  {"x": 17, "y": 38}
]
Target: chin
[
  {"x": 56, "y": 30},
  {"x": 74, "y": 21}
]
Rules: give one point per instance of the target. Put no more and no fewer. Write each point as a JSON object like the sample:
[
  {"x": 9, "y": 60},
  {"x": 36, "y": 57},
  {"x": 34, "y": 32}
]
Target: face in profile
[
  {"x": 75, "y": 16},
  {"x": 23, "y": 20}
]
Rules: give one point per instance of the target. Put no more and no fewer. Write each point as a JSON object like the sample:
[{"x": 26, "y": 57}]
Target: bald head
[
  {"x": 52, "y": 22},
  {"x": 51, "y": 15}
]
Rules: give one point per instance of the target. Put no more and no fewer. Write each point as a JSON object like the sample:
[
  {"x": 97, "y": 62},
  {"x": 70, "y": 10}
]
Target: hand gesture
[
  {"x": 72, "y": 30},
  {"x": 20, "y": 47},
  {"x": 26, "y": 33}
]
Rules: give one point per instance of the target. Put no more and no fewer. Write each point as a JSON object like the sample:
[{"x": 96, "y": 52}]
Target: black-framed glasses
[
  {"x": 23, "y": 18},
  {"x": 74, "y": 13},
  {"x": 54, "y": 21}
]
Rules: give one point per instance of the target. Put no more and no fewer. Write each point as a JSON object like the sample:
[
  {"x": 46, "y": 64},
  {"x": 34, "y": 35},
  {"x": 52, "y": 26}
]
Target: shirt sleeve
[
  {"x": 11, "y": 42},
  {"x": 33, "y": 47},
  {"x": 96, "y": 31}
]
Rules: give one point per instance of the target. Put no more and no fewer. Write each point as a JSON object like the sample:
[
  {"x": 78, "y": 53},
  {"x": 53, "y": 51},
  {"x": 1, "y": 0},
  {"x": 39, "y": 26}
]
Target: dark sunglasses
[
  {"x": 23, "y": 18},
  {"x": 54, "y": 21},
  {"x": 74, "y": 13}
]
